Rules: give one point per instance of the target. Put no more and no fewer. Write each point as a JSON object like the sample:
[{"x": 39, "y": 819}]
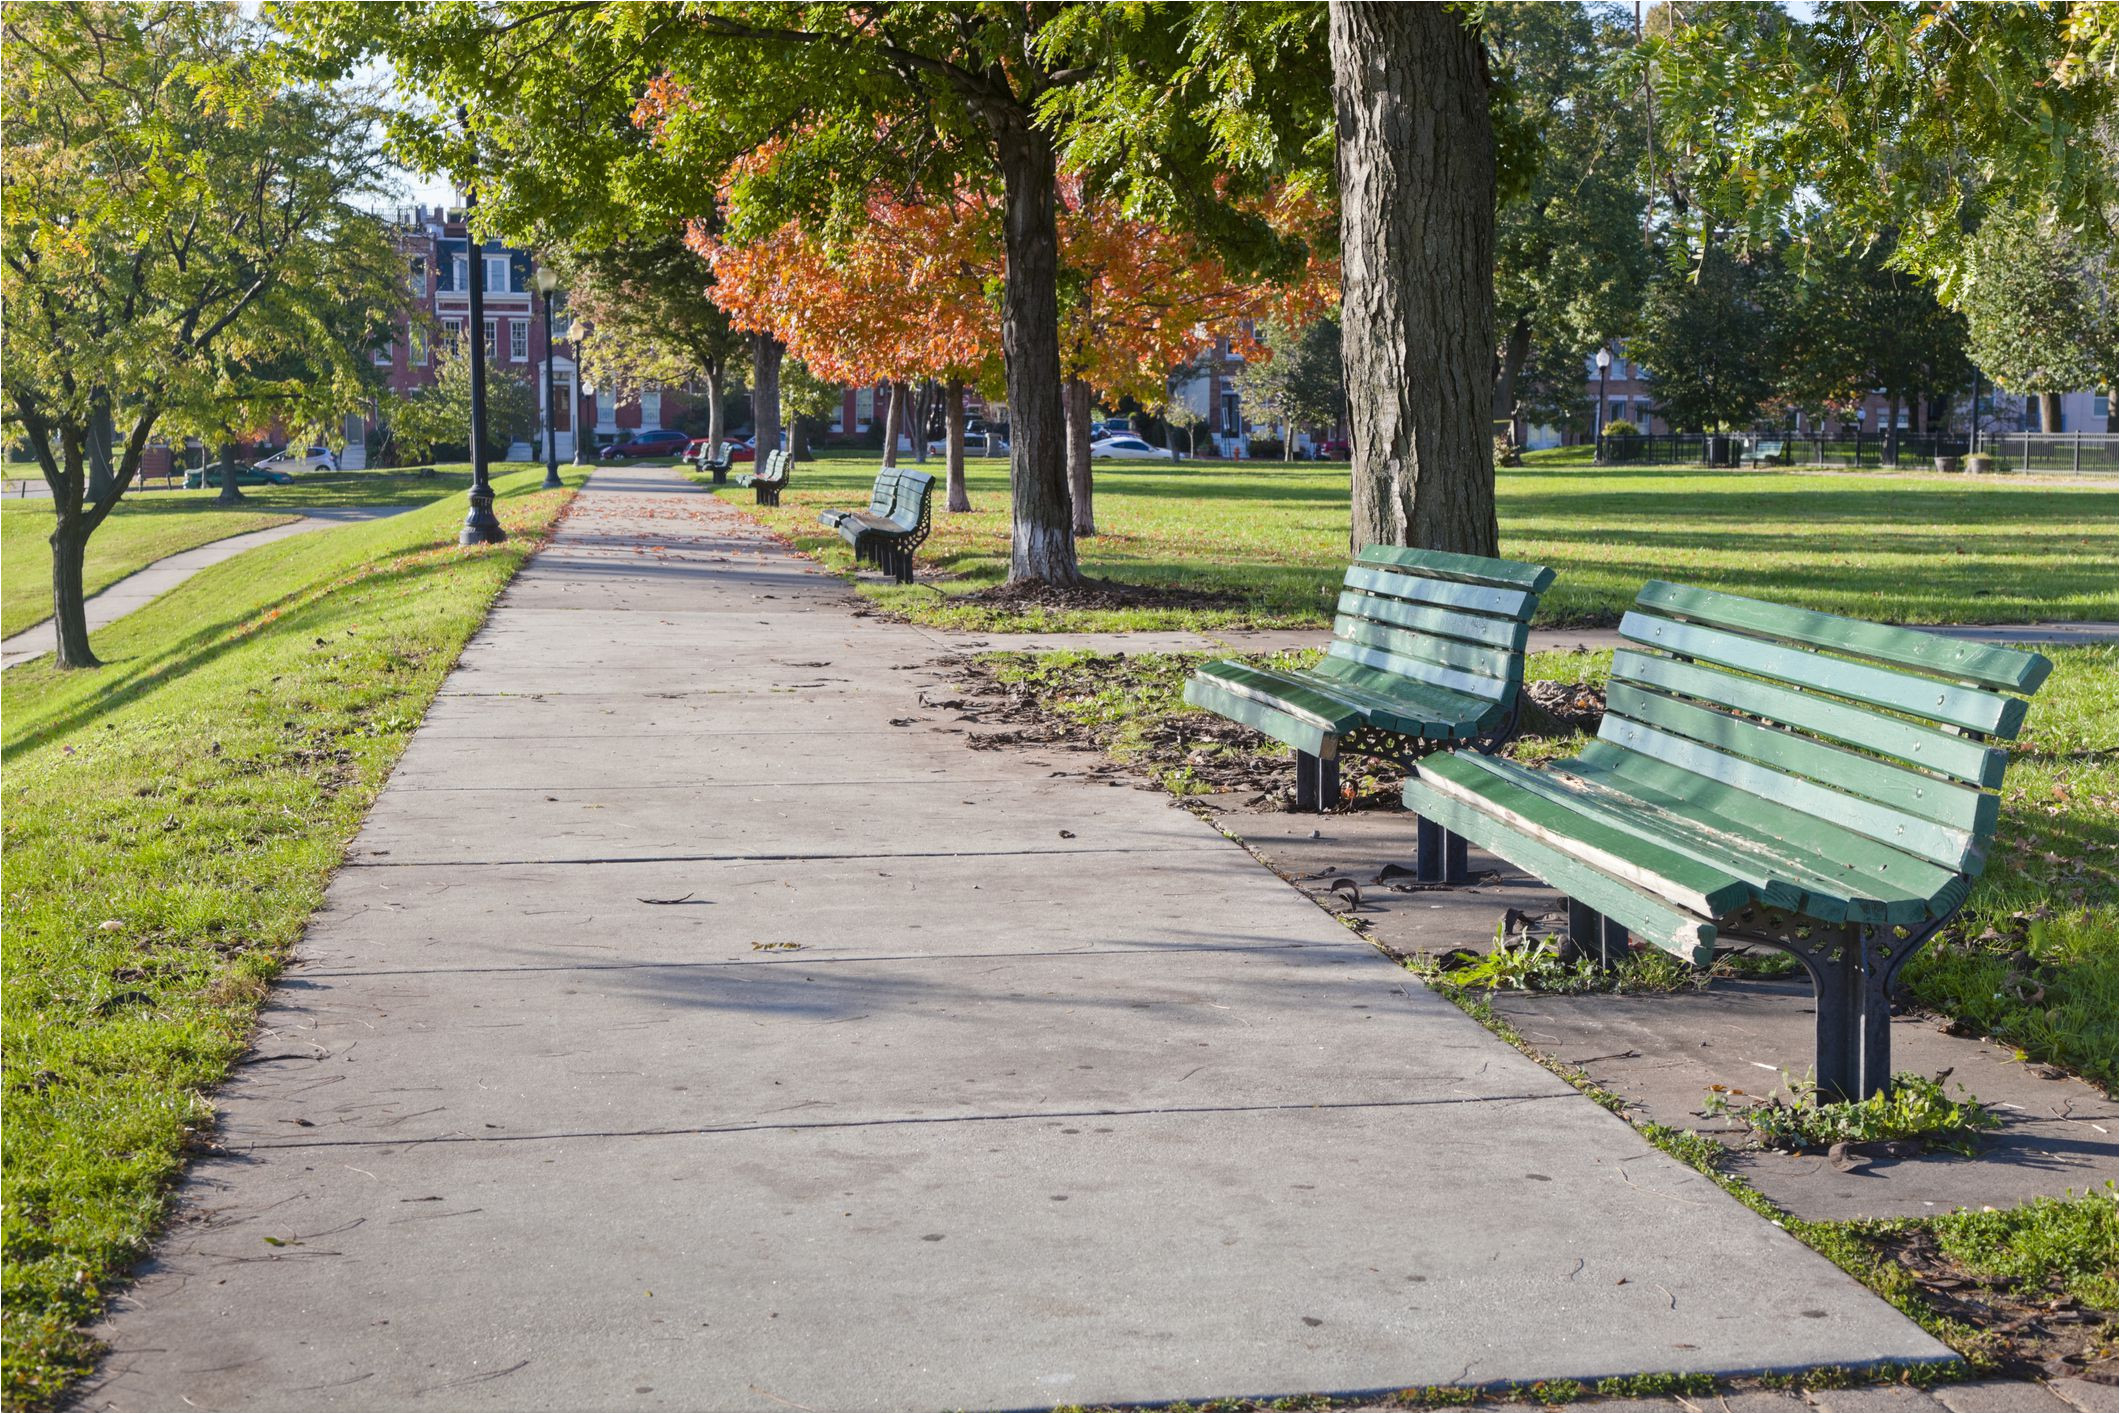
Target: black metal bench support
[
  {"x": 1317, "y": 782},
  {"x": 1853, "y": 969},
  {"x": 1438, "y": 855},
  {"x": 1592, "y": 935}
]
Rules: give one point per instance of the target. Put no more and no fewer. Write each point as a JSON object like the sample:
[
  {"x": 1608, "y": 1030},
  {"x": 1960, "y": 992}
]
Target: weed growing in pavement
[{"x": 1916, "y": 1107}]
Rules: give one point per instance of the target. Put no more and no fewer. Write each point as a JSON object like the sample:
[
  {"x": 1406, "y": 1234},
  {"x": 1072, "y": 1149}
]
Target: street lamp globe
[{"x": 1604, "y": 359}]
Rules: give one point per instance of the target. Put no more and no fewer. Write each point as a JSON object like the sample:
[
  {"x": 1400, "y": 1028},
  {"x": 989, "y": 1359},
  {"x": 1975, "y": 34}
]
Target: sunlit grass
[{"x": 1274, "y": 537}]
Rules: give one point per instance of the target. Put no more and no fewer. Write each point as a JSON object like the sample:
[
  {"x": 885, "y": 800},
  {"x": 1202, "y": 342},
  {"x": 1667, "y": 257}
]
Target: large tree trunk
[
  {"x": 69, "y": 541},
  {"x": 766, "y": 353},
  {"x": 893, "y": 415},
  {"x": 2049, "y": 412},
  {"x": 102, "y": 434},
  {"x": 1080, "y": 491},
  {"x": 959, "y": 499},
  {"x": 230, "y": 491},
  {"x": 1416, "y": 166},
  {"x": 1042, "y": 543},
  {"x": 799, "y": 438},
  {"x": 923, "y": 403},
  {"x": 1891, "y": 431}
]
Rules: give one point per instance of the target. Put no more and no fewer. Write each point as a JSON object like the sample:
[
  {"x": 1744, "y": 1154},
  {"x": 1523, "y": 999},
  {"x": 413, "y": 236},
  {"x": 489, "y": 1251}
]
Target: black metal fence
[{"x": 2067, "y": 453}]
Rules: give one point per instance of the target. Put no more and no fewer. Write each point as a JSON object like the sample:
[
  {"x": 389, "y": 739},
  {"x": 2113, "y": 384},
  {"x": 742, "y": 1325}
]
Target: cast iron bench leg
[
  {"x": 1328, "y": 780},
  {"x": 1306, "y": 781},
  {"x": 1595, "y": 936}
]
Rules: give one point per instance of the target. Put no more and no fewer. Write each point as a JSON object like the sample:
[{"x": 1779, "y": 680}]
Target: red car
[
  {"x": 740, "y": 450},
  {"x": 1334, "y": 449},
  {"x": 654, "y": 442}
]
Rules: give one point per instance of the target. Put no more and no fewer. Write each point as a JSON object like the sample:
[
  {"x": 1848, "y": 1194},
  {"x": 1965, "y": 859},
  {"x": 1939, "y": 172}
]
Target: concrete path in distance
[
  {"x": 699, "y": 1024},
  {"x": 1543, "y": 640},
  {"x": 153, "y": 581}
]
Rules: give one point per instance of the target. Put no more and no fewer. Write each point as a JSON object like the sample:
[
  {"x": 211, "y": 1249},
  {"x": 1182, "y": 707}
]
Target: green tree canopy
[
  {"x": 2040, "y": 309},
  {"x": 1709, "y": 343}
]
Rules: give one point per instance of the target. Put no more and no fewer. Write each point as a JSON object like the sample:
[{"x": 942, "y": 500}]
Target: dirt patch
[
  {"x": 2034, "y": 1330},
  {"x": 1098, "y": 594}
]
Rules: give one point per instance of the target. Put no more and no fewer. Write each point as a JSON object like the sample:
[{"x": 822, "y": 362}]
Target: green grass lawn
[
  {"x": 170, "y": 822},
  {"x": 151, "y": 524},
  {"x": 1900, "y": 548}
]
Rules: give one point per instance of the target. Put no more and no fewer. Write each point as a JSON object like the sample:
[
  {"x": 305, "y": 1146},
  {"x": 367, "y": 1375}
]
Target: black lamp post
[
  {"x": 1604, "y": 366},
  {"x": 577, "y": 334},
  {"x": 547, "y": 280},
  {"x": 480, "y": 525}
]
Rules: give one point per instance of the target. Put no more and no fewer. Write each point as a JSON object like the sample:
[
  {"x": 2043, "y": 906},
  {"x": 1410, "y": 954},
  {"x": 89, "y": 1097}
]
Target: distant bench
[
  {"x": 1761, "y": 453},
  {"x": 895, "y": 524},
  {"x": 1427, "y": 652},
  {"x": 767, "y": 479},
  {"x": 1819, "y": 785},
  {"x": 716, "y": 461}
]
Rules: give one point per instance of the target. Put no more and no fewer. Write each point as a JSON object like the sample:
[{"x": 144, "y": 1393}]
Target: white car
[
  {"x": 1130, "y": 447},
  {"x": 300, "y": 459}
]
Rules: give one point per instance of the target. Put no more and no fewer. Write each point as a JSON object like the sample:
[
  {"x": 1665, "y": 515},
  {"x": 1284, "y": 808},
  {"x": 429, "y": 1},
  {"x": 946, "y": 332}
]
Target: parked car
[
  {"x": 196, "y": 480},
  {"x": 974, "y": 444},
  {"x": 1129, "y": 446},
  {"x": 300, "y": 459},
  {"x": 1114, "y": 427},
  {"x": 1333, "y": 449},
  {"x": 651, "y": 442}
]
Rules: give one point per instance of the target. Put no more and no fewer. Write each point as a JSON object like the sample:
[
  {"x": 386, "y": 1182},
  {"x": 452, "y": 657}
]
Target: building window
[
  {"x": 490, "y": 354},
  {"x": 1232, "y": 423},
  {"x": 386, "y": 355},
  {"x": 419, "y": 277},
  {"x": 606, "y": 408},
  {"x": 417, "y": 338},
  {"x": 453, "y": 333},
  {"x": 462, "y": 266},
  {"x": 519, "y": 340},
  {"x": 1619, "y": 411},
  {"x": 2102, "y": 406},
  {"x": 497, "y": 275}
]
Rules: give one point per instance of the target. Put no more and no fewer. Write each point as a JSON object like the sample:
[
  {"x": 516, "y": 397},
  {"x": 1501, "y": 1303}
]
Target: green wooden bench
[
  {"x": 895, "y": 524},
  {"x": 1763, "y": 452},
  {"x": 716, "y": 461},
  {"x": 1819, "y": 785},
  {"x": 1427, "y": 650},
  {"x": 767, "y": 478}
]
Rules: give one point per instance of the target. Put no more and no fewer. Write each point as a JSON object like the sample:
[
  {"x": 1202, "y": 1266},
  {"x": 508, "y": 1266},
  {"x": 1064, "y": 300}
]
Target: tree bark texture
[
  {"x": 1042, "y": 546},
  {"x": 1080, "y": 491},
  {"x": 799, "y": 438},
  {"x": 1516, "y": 350},
  {"x": 923, "y": 399},
  {"x": 958, "y": 498},
  {"x": 893, "y": 416},
  {"x": 2049, "y": 412},
  {"x": 1416, "y": 167},
  {"x": 766, "y": 353}
]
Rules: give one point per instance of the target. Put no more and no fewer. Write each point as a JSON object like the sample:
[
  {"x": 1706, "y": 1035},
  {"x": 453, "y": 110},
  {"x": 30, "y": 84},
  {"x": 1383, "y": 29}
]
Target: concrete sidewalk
[
  {"x": 153, "y": 581},
  {"x": 700, "y": 1025}
]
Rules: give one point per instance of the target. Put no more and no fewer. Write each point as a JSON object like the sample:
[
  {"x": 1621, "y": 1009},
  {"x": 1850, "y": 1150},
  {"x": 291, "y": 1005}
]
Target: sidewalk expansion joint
[
  {"x": 1213, "y": 846},
  {"x": 797, "y": 1126}
]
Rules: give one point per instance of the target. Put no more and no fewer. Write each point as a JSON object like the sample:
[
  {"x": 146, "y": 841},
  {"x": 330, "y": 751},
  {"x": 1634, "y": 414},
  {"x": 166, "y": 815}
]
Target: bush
[
  {"x": 1620, "y": 427},
  {"x": 1265, "y": 449}
]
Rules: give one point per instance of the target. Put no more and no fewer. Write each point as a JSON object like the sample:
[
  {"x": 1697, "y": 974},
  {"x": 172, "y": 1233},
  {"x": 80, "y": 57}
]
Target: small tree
[
  {"x": 2040, "y": 311},
  {"x": 439, "y": 415},
  {"x": 806, "y": 399},
  {"x": 1299, "y": 382},
  {"x": 1707, "y": 343}
]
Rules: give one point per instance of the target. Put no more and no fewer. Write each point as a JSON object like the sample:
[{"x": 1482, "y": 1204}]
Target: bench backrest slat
[
  {"x": 885, "y": 493},
  {"x": 1457, "y": 623},
  {"x": 1863, "y": 727},
  {"x": 909, "y": 498}
]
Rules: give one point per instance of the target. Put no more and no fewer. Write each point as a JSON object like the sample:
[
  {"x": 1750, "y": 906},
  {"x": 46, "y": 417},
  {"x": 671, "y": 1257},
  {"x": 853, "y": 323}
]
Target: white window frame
[
  {"x": 386, "y": 356},
  {"x": 416, "y": 341},
  {"x": 461, "y": 266},
  {"x": 492, "y": 347},
  {"x": 419, "y": 277},
  {"x": 500, "y": 286},
  {"x": 518, "y": 341},
  {"x": 453, "y": 333}
]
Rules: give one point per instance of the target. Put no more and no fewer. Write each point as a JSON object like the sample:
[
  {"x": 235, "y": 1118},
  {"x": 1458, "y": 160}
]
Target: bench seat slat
[
  {"x": 1988, "y": 664},
  {"x": 1225, "y": 700},
  {"x": 1870, "y": 868},
  {"x": 1642, "y": 913},
  {"x": 1431, "y": 710},
  {"x": 1879, "y": 732},
  {"x": 1680, "y": 876},
  {"x": 1286, "y": 692},
  {"x": 1924, "y": 797},
  {"x": 1971, "y": 709},
  {"x": 1502, "y": 635},
  {"x": 1785, "y": 876}
]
